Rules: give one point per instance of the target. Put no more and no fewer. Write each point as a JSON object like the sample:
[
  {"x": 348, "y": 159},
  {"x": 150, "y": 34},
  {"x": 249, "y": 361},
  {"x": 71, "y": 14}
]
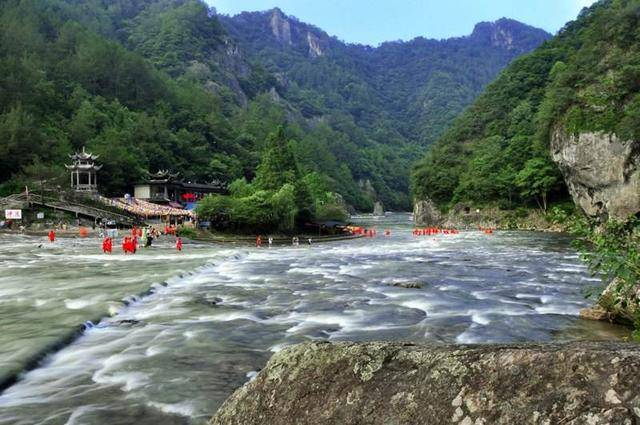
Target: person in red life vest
[
  {"x": 134, "y": 231},
  {"x": 134, "y": 244},
  {"x": 166, "y": 230},
  {"x": 179, "y": 244},
  {"x": 105, "y": 243},
  {"x": 139, "y": 234},
  {"x": 125, "y": 245},
  {"x": 258, "y": 241},
  {"x": 52, "y": 236},
  {"x": 109, "y": 245}
]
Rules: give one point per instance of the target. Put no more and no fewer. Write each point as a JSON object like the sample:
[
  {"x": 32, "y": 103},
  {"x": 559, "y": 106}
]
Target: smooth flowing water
[{"x": 173, "y": 356}]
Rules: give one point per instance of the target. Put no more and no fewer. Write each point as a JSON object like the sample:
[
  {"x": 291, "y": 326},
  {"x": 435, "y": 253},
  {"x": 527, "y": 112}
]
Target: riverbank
[
  {"x": 382, "y": 383},
  {"x": 495, "y": 218},
  {"x": 557, "y": 219},
  {"x": 203, "y": 236}
]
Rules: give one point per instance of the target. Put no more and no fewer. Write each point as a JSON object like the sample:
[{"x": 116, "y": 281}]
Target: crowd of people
[
  {"x": 429, "y": 231},
  {"x": 140, "y": 236},
  {"x": 144, "y": 236},
  {"x": 295, "y": 241}
]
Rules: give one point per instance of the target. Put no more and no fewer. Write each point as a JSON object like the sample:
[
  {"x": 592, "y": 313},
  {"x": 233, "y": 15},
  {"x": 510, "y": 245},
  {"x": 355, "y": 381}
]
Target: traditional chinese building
[
  {"x": 166, "y": 187},
  {"x": 84, "y": 170}
]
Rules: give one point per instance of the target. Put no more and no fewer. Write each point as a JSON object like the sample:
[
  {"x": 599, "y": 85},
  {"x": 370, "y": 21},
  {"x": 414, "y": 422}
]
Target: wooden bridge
[{"x": 26, "y": 200}]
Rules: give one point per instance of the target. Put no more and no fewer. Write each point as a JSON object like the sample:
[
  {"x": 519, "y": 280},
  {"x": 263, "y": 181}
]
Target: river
[{"x": 217, "y": 313}]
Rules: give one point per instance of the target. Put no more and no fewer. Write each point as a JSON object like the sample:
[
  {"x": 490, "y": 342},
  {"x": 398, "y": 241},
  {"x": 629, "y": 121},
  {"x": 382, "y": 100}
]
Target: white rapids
[{"x": 174, "y": 355}]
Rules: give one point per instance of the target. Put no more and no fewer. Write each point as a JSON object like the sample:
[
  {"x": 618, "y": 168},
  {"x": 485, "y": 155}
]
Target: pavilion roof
[{"x": 84, "y": 156}]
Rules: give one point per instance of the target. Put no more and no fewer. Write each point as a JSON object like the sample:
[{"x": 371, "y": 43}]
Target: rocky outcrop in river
[
  {"x": 426, "y": 213},
  {"x": 602, "y": 172},
  {"x": 395, "y": 383},
  {"x": 378, "y": 209}
]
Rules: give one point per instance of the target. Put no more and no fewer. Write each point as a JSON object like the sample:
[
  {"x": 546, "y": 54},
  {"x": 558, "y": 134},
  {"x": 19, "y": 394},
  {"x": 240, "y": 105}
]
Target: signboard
[
  {"x": 40, "y": 215},
  {"x": 13, "y": 214}
]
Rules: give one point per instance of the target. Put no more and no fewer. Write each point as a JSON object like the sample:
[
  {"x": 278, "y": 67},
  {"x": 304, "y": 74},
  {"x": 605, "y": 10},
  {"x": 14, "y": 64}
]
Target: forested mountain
[
  {"x": 168, "y": 84},
  {"x": 391, "y": 101},
  {"x": 585, "y": 80}
]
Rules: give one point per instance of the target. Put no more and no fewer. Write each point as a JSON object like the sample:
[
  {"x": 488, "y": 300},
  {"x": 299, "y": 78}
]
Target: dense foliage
[
  {"x": 278, "y": 199},
  {"x": 612, "y": 251},
  {"x": 63, "y": 86},
  {"x": 585, "y": 79}
]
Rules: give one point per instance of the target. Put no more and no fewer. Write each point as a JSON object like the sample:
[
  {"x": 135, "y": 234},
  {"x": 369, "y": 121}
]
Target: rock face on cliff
[
  {"x": 393, "y": 383},
  {"x": 602, "y": 172},
  {"x": 426, "y": 213}
]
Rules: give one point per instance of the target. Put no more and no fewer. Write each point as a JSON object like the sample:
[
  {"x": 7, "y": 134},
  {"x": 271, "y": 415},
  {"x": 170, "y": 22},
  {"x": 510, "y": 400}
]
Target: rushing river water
[{"x": 174, "y": 355}]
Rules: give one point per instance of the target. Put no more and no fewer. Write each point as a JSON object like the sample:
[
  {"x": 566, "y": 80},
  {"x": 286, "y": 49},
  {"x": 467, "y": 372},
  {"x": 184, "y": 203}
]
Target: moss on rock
[{"x": 395, "y": 383}]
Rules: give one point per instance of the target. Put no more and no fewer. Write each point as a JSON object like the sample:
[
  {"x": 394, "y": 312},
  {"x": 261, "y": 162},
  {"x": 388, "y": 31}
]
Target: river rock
[
  {"x": 395, "y": 383},
  {"x": 378, "y": 209},
  {"x": 426, "y": 213},
  {"x": 408, "y": 285},
  {"x": 602, "y": 172},
  {"x": 621, "y": 302}
]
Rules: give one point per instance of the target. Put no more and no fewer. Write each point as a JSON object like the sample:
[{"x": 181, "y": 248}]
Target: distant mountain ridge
[
  {"x": 399, "y": 94},
  {"x": 399, "y": 80}
]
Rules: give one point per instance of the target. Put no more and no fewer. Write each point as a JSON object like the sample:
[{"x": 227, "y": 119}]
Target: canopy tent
[{"x": 145, "y": 209}]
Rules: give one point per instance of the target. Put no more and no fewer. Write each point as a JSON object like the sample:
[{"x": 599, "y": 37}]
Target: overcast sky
[{"x": 375, "y": 21}]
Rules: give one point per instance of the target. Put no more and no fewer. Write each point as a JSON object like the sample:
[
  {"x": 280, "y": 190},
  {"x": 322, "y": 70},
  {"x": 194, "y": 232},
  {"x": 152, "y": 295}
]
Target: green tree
[
  {"x": 278, "y": 165},
  {"x": 537, "y": 179}
]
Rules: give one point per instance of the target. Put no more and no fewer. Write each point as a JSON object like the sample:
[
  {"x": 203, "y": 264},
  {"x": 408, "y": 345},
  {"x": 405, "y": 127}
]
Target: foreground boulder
[{"x": 395, "y": 383}]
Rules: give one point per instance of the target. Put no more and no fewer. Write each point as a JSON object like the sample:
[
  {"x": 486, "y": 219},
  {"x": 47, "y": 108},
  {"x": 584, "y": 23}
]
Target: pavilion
[{"x": 84, "y": 171}]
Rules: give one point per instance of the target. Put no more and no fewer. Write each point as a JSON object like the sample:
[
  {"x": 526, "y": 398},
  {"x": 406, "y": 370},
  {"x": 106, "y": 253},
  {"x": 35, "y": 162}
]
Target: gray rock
[
  {"x": 394, "y": 383},
  {"x": 407, "y": 285},
  {"x": 602, "y": 172},
  {"x": 378, "y": 209},
  {"x": 621, "y": 303},
  {"x": 280, "y": 27},
  {"x": 426, "y": 213}
]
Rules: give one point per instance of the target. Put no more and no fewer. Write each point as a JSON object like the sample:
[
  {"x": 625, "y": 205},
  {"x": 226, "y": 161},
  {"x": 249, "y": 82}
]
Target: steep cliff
[
  {"x": 392, "y": 383},
  {"x": 602, "y": 172}
]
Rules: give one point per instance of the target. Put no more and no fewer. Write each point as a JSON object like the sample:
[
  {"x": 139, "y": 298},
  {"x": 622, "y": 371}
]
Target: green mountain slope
[
  {"x": 168, "y": 84},
  {"x": 400, "y": 96},
  {"x": 584, "y": 80}
]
